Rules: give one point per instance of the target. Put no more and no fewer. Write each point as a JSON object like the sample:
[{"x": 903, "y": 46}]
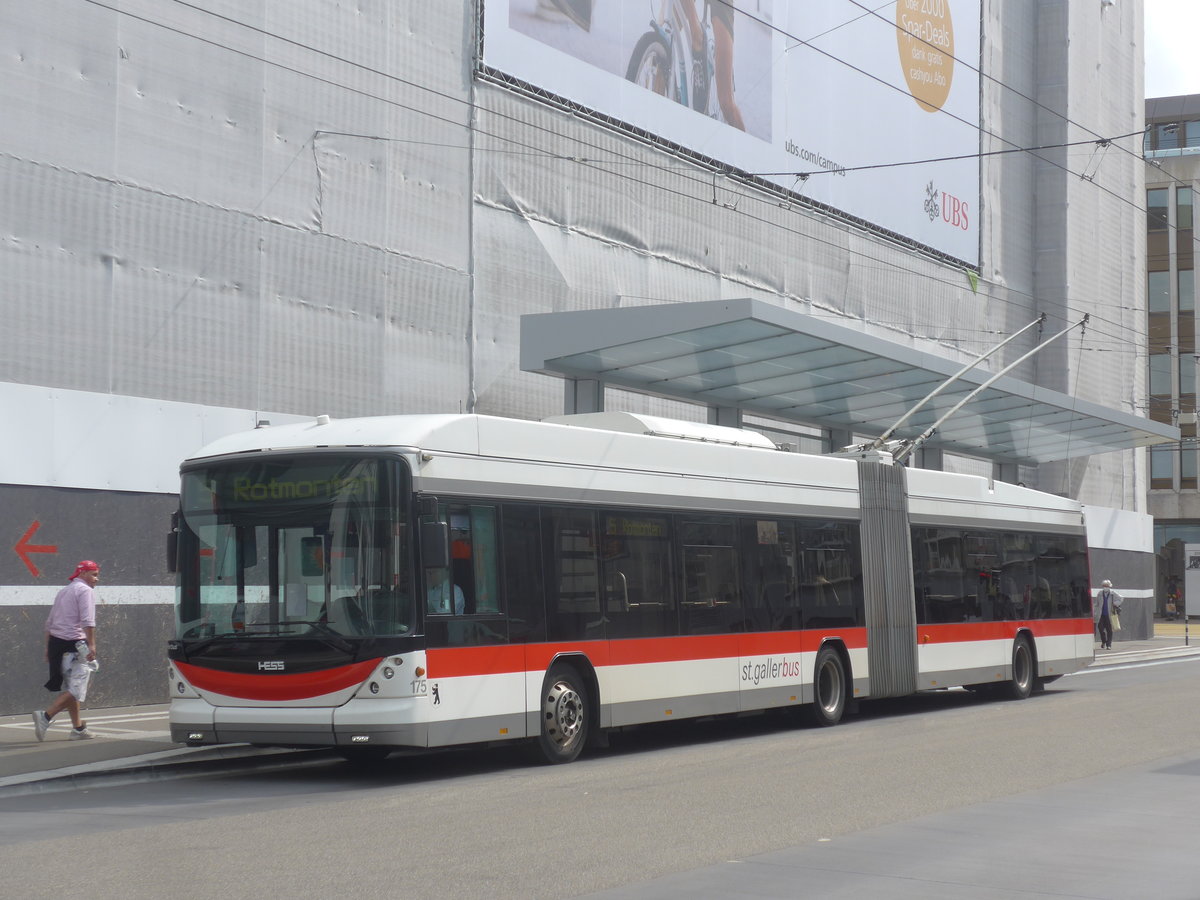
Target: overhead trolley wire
[
  {"x": 1099, "y": 140},
  {"x": 684, "y": 171}
]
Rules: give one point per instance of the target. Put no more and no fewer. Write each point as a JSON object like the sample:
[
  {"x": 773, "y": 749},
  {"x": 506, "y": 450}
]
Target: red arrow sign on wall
[{"x": 24, "y": 548}]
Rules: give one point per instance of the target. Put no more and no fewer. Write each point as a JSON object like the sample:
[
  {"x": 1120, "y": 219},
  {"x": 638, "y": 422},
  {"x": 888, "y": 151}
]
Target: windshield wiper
[
  {"x": 208, "y": 642},
  {"x": 327, "y": 634},
  {"x": 322, "y": 632}
]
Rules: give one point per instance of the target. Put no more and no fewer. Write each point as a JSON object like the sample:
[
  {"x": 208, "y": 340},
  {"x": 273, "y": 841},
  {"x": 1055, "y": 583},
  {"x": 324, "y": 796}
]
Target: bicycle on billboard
[{"x": 665, "y": 60}]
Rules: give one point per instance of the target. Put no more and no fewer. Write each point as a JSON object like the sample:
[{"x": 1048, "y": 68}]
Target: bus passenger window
[
  {"x": 461, "y": 571},
  {"x": 444, "y": 597},
  {"x": 524, "y": 574},
  {"x": 638, "y": 588},
  {"x": 769, "y": 575},
  {"x": 473, "y": 555},
  {"x": 831, "y": 575},
  {"x": 712, "y": 602},
  {"x": 572, "y": 577}
]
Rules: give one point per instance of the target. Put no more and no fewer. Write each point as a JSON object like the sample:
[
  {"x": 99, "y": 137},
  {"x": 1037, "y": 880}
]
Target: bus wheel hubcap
[{"x": 563, "y": 713}]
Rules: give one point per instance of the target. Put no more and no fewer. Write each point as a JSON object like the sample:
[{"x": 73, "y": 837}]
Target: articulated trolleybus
[{"x": 435, "y": 580}]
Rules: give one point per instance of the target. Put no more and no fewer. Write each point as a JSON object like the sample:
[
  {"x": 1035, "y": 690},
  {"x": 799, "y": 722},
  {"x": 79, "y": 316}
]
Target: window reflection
[{"x": 987, "y": 576}]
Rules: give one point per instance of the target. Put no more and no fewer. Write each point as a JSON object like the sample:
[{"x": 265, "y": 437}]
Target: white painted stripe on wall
[
  {"x": 111, "y": 442},
  {"x": 110, "y": 595},
  {"x": 1119, "y": 529},
  {"x": 1126, "y": 593}
]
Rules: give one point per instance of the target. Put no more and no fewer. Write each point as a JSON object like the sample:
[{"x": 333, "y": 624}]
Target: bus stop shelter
[{"x": 746, "y": 356}]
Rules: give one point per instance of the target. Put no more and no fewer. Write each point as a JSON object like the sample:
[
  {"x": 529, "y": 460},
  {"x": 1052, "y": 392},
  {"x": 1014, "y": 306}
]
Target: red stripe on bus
[
  {"x": 458, "y": 662},
  {"x": 297, "y": 686},
  {"x": 965, "y": 632},
  {"x": 765, "y": 643},
  {"x": 450, "y": 662}
]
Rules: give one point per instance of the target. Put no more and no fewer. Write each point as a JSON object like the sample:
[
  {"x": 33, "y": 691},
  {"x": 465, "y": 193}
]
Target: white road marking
[{"x": 108, "y": 727}]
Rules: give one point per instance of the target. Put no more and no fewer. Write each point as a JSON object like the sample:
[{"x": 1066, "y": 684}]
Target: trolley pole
[
  {"x": 911, "y": 446},
  {"x": 880, "y": 441}
]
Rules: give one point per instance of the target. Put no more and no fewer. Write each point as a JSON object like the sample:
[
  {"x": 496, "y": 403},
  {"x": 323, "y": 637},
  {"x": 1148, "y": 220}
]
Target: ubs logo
[
  {"x": 931, "y": 201},
  {"x": 954, "y": 211}
]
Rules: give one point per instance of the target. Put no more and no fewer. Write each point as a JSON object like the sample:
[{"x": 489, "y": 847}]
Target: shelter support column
[
  {"x": 729, "y": 416},
  {"x": 838, "y": 438},
  {"x": 583, "y": 395},
  {"x": 931, "y": 458},
  {"x": 1005, "y": 471}
]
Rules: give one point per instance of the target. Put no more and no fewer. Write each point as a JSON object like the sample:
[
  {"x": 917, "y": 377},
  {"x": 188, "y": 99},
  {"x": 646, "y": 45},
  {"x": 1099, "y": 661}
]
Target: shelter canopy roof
[{"x": 784, "y": 364}]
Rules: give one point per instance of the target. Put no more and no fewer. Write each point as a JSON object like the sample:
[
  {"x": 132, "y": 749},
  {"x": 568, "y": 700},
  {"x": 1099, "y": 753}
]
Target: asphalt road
[{"x": 661, "y": 800}]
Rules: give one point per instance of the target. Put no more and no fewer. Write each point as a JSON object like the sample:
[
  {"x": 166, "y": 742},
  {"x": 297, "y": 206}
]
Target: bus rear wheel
[
  {"x": 829, "y": 688},
  {"x": 1021, "y": 684},
  {"x": 564, "y": 715}
]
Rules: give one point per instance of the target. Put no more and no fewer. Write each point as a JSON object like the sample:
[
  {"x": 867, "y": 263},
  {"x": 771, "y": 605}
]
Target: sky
[{"x": 1172, "y": 47}]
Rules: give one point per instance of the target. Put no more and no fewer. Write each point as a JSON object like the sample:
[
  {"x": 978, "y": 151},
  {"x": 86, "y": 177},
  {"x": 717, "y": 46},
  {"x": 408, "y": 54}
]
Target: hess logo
[{"x": 271, "y": 665}]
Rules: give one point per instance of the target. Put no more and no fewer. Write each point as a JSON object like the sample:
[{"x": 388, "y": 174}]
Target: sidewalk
[
  {"x": 1170, "y": 641},
  {"x": 136, "y": 741},
  {"x": 130, "y": 741}
]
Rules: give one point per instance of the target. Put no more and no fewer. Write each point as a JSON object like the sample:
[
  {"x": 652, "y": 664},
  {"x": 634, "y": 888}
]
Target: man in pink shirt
[{"x": 70, "y": 629}]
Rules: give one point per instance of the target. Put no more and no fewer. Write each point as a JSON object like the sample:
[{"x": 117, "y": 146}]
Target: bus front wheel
[
  {"x": 564, "y": 715},
  {"x": 829, "y": 688},
  {"x": 1021, "y": 684}
]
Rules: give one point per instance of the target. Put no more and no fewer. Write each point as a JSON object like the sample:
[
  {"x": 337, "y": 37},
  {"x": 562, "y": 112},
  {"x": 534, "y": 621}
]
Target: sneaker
[
  {"x": 40, "y": 724},
  {"x": 81, "y": 734}
]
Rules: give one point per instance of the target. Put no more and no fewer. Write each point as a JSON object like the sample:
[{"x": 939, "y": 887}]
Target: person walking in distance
[
  {"x": 1110, "y": 605},
  {"x": 71, "y": 633}
]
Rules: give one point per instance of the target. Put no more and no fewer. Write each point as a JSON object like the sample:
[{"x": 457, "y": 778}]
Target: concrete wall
[
  {"x": 131, "y": 647},
  {"x": 1121, "y": 549},
  {"x": 126, "y": 534}
]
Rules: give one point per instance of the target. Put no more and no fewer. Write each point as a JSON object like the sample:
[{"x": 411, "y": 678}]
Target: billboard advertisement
[{"x": 870, "y": 109}]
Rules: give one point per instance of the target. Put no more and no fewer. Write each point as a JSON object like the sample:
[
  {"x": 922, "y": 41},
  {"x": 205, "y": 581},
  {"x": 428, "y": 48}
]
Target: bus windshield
[{"x": 296, "y": 546}]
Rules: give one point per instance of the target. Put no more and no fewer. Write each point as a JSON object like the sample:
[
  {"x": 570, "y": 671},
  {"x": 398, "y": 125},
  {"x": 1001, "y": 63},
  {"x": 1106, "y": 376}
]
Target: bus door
[{"x": 771, "y": 669}]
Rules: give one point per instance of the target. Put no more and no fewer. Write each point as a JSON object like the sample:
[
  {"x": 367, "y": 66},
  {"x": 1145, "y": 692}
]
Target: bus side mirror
[
  {"x": 435, "y": 545},
  {"x": 173, "y": 544}
]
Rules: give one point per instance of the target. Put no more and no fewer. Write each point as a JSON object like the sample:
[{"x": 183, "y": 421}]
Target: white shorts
[{"x": 77, "y": 671}]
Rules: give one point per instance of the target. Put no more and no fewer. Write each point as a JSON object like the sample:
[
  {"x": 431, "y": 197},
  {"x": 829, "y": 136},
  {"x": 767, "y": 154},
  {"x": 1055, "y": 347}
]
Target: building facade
[
  {"x": 1172, "y": 147},
  {"x": 219, "y": 213}
]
